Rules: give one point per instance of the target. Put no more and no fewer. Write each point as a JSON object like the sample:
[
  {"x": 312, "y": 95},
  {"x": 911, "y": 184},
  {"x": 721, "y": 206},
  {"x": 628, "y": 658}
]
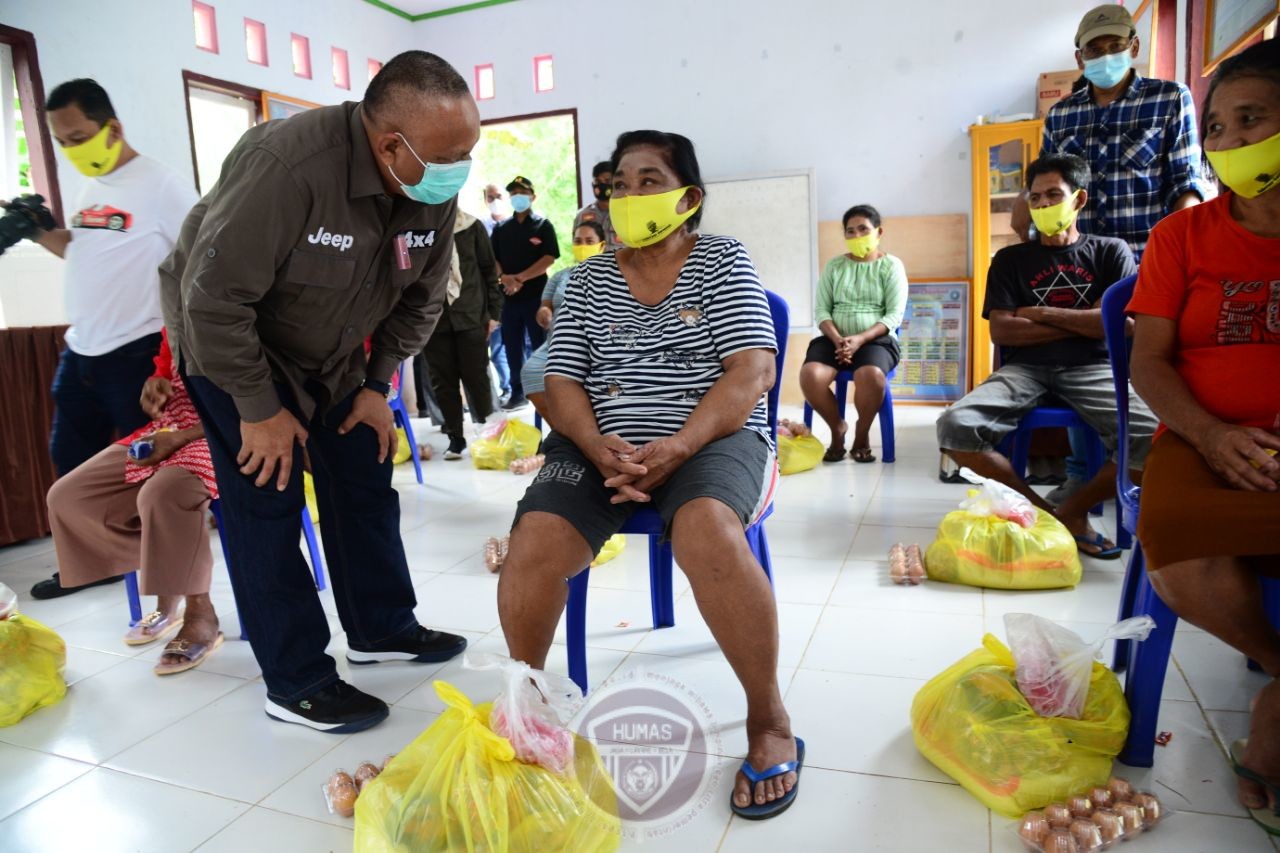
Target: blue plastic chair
[
  {"x": 313, "y": 547},
  {"x": 1146, "y": 661},
  {"x": 885, "y": 415},
  {"x": 401, "y": 413},
  {"x": 646, "y": 521}
]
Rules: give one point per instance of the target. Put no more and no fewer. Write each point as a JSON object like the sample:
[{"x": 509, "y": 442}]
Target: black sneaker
[
  {"x": 52, "y": 588},
  {"x": 457, "y": 444},
  {"x": 514, "y": 403},
  {"x": 337, "y": 709},
  {"x": 421, "y": 645}
]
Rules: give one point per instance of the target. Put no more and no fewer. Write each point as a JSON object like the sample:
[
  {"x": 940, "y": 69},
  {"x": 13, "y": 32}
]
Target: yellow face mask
[
  {"x": 642, "y": 220},
  {"x": 1249, "y": 170},
  {"x": 862, "y": 246},
  {"x": 589, "y": 250},
  {"x": 1058, "y": 218},
  {"x": 94, "y": 157}
]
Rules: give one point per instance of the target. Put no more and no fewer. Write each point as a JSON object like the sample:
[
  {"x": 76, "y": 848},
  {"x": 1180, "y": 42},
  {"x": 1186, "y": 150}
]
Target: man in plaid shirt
[{"x": 1138, "y": 135}]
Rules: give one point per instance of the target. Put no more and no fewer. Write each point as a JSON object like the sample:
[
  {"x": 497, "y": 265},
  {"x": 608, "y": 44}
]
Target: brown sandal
[
  {"x": 861, "y": 454},
  {"x": 192, "y": 654}
]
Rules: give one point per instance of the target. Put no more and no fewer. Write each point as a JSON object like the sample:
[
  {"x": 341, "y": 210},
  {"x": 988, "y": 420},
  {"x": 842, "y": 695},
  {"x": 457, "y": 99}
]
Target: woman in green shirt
[{"x": 861, "y": 298}]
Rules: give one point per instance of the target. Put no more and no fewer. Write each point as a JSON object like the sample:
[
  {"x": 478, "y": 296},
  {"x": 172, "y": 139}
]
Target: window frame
[
  {"x": 26, "y": 73},
  {"x": 226, "y": 87}
]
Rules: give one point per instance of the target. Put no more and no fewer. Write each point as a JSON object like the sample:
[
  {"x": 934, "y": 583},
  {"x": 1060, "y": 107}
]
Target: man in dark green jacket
[{"x": 458, "y": 350}]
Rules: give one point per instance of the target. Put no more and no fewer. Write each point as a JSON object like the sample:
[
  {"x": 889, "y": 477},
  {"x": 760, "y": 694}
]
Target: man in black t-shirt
[
  {"x": 525, "y": 246},
  {"x": 1043, "y": 303}
]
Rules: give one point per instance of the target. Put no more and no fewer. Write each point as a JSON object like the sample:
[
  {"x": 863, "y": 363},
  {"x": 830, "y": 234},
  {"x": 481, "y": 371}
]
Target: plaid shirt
[{"x": 1143, "y": 151}]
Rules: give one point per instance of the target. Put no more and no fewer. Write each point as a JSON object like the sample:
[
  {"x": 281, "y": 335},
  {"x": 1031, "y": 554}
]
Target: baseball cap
[
  {"x": 520, "y": 183},
  {"x": 1108, "y": 20}
]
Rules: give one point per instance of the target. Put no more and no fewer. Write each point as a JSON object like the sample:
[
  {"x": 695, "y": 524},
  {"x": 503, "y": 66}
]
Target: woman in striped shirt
[
  {"x": 659, "y": 365},
  {"x": 862, "y": 295}
]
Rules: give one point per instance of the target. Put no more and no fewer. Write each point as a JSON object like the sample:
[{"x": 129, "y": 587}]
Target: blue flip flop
[
  {"x": 777, "y": 807},
  {"x": 1098, "y": 540}
]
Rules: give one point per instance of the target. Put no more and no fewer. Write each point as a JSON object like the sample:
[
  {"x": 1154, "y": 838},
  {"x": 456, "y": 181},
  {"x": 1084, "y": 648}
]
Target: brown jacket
[{"x": 288, "y": 264}]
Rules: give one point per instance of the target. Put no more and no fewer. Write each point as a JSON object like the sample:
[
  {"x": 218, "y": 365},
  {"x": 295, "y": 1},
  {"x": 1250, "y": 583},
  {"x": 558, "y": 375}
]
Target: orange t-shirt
[{"x": 1221, "y": 284}]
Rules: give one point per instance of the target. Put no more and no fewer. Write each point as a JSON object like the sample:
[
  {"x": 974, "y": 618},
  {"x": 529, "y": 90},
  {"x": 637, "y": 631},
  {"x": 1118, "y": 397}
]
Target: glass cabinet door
[{"x": 1007, "y": 165}]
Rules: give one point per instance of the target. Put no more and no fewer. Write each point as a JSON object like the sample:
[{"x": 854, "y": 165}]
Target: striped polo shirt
[
  {"x": 855, "y": 295},
  {"x": 645, "y": 368}
]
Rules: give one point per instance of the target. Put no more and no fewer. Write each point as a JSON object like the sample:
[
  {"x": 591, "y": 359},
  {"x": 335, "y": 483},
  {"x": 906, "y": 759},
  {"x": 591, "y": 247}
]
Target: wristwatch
[{"x": 383, "y": 388}]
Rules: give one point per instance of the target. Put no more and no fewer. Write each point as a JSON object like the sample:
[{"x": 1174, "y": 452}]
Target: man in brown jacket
[{"x": 324, "y": 229}]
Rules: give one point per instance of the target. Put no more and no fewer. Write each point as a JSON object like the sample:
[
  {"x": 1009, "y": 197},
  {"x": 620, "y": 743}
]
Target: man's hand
[
  {"x": 494, "y": 325},
  {"x": 267, "y": 447},
  {"x": 544, "y": 317},
  {"x": 1238, "y": 455},
  {"x": 510, "y": 284},
  {"x": 1034, "y": 313},
  {"x": 660, "y": 459},
  {"x": 370, "y": 408},
  {"x": 156, "y": 393}
]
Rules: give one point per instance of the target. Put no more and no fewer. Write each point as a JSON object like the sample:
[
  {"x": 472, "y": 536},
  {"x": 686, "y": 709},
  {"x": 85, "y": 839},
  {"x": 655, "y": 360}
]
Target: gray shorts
[
  {"x": 738, "y": 470},
  {"x": 987, "y": 414}
]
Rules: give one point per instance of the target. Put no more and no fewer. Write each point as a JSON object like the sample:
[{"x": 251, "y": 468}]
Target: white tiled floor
[{"x": 131, "y": 762}]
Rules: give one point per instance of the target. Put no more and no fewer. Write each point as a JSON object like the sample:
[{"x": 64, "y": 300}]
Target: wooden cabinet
[{"x": 1000, "y": 155}]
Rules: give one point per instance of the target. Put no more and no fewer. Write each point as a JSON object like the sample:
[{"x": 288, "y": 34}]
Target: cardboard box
[{"x": 1052, "y": 87}]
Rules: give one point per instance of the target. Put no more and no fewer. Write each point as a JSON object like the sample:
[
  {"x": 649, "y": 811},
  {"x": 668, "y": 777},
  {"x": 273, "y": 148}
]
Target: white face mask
[{"x": 498, "y": 207}]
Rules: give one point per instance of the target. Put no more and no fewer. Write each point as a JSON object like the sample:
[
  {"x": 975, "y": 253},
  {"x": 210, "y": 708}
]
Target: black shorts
[
  {"x": 738, "y": 470},
  {"x": 882, "y": 352}
]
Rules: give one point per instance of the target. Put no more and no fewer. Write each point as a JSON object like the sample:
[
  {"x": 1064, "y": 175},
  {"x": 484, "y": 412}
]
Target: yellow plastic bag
[
  {"x": 458, "y": 787},
  {"x": 798, "y": 454},
  {"x": 31, "y": 661},
  {"x": 613, "y": 546},
  {"x": 974, "y": 725},
  {"x": 504, "y": 442},
  {"x": 989, "y": 551},
  {"x": 403, "y": 451}
]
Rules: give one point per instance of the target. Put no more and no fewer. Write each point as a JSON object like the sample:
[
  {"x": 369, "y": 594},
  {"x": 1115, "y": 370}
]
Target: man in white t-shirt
[{"x": 124, "y": 223}]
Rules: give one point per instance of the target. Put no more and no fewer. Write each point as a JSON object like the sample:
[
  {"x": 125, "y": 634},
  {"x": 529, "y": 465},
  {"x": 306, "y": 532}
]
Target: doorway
[{"x": 542, "y": 147}]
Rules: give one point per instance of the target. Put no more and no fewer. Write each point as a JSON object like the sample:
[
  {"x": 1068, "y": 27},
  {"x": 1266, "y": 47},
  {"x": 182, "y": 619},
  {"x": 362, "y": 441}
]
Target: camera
[{"x": 23, "y": 217}]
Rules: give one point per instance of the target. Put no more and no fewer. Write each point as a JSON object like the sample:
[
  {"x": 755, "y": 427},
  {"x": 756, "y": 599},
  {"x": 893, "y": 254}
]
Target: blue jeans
[
  {"x": 274, "y": 589},
  {"x": 95, "y": 398},
  {"x": 498, "y": 355},
  {"x": 519, "y": 326}
]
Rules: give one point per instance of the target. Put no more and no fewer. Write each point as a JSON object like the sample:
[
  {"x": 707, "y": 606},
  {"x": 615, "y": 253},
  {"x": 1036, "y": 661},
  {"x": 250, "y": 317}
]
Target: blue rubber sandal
[
  {"x": 1098, "y": 540},
  {"x": 1266, "y": 817},
  {"x": 777, "y": 807}
]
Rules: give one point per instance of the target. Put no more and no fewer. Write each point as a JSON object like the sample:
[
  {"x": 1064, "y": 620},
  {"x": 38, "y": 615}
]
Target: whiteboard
[{"x": 776, "y": 218}]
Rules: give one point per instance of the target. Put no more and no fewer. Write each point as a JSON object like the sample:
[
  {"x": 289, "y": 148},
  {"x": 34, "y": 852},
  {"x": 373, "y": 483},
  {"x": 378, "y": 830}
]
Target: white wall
[{"x": 875, "y": 96}]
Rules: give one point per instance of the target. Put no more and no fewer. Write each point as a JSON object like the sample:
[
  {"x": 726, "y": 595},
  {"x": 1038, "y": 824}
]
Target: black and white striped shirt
[{"x": 645, "y": 368}]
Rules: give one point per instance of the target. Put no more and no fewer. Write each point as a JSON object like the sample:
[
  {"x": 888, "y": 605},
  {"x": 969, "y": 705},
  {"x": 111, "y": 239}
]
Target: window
[
  {"x": 543, "y": 76},
  {"x": 301, "y": 55},
  {"x": 255, "y": 41},
  {"x": 484, "y": 82},
  {"x": 219, "y": 112},
  {"x": 26, "y": 148},
  {"x": 374, "y": 67},
  {"x": 206, "y": 21},
  {"x": 341, "y": 68}
]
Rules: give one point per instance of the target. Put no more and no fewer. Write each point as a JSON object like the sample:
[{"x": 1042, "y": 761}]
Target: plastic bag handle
[
  {"x": 1138, "y": 628},
  {"x": 495, "y": 745},
  {"x": 562, "y": 695},
  {"x": 999, "y": 650}
]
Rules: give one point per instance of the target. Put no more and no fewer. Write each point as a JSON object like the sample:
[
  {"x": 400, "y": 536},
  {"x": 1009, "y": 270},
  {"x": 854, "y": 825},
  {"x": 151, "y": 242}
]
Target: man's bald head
[{"x": 406, "y": 81}]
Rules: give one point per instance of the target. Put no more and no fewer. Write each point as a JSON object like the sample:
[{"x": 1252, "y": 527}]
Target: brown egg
[
  {"x": 1133, "y": 817},
  {"x": 341, "y": 793},
  {"x": 1035, "y": 826},
  {"x": 1102, "y": 797},
  {"x": 1120, "y": 789},
  {"x": 1080, "y": 806},
  {"x": 1087, "y": 835},
  {"x": 1152, "y": 811},
  {"x": 1058, "y": 814},
  {"x": 365, "y": 774},
  {"x": 1060, "y": 841},
  {"x": 1110, "y": 824}
]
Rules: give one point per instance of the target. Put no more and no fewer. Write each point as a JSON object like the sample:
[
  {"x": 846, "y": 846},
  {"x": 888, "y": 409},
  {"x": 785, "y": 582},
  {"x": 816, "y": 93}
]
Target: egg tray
[
  {"x": 343, "y": 788},
  {"x": 1094, "y": 820}
]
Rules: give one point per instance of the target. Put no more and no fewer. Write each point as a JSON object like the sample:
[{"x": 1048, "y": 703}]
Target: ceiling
[{"x": 421, "y": 10}]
